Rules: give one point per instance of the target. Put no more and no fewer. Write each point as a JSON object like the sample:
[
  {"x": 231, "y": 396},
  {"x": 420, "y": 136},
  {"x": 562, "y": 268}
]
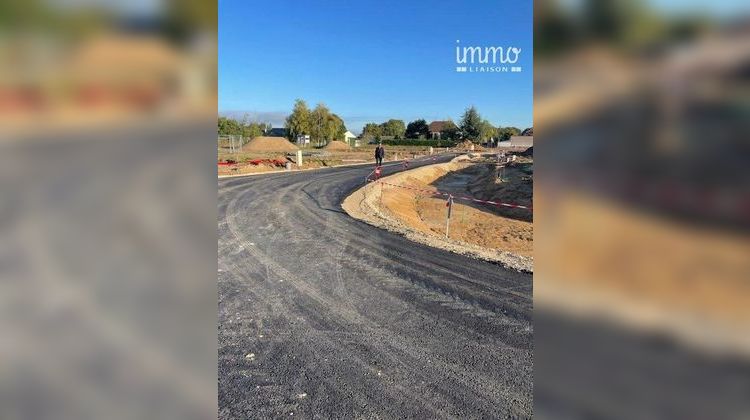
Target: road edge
[{"x": 353, "y": 207}]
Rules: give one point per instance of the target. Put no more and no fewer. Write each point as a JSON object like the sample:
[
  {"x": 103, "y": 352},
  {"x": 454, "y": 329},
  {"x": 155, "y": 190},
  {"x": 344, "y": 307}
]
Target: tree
[
  {"x": 335, "y": 128},
  {"x": 372, "y": 130},
  {"x": 471, "y": 124},
  {"x": 299, "y": 121},
  {"x": 247, "y": 131},
  {"x": 393, "y": 128},
  {"x": 321, "y": 125},
  {"x": 450, "y": 131},
  {"x": 417, "y": 129},
  {"x": 229, "y": 127},
  {"x": 318, "y": 119},
  {"x": 504, "y": 133},
  {"x": 486, "y": 131},
  {"x": 254, "y": 129}
]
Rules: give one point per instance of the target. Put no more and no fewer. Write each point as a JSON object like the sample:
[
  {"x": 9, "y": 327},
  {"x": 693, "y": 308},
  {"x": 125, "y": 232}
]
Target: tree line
[
  {"x": 391, "y": 128},
  {"x": 232, "y": 127},
  {"x": 324, "y": 126},
  {"x": 320, "y": 123},
  {"x": 471, "y": 127}
]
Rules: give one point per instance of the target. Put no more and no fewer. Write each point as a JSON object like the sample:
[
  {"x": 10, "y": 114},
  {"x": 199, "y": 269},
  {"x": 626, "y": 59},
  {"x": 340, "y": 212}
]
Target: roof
[
  {"x": 437, "y": 126},
  {"x": 277, "y": 132},
  {"x": 349, "y": 134}
]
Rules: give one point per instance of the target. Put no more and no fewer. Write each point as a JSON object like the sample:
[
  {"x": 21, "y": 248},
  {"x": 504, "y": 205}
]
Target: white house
[{"x": 349, "y": 138}]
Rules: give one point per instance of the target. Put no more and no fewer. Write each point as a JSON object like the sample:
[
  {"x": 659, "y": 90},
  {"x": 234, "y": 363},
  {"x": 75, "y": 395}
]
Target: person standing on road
[{"x": 379, "y": 154}]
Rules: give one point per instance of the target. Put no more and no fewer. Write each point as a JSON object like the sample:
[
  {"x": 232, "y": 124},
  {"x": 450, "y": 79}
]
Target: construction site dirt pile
[
  {"x": 406, "y": 203},
  {"x": 337, "y": 145},
  {"x": 269, "y": 144}
]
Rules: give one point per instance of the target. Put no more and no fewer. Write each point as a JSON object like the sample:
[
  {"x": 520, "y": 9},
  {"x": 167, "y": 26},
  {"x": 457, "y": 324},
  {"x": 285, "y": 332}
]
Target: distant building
[
  {"x": 277, "y": 132},
  {"x": 350, "y": 138},
  {"x": 303, "y": 140},
  {"x": 436, "y": 128},
  {"x": 522, "y": 141}
]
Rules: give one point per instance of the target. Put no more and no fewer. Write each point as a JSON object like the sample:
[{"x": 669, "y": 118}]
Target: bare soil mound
[
  {"x": 467, "y": 145},
  {"x": 337, "y": 145},
  {"x": 475, "y": 230},
  {"x": 269, "y": 144}
]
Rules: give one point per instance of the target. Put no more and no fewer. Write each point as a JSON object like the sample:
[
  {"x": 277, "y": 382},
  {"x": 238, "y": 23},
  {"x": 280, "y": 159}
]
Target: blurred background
[
  {"x": 642, "y": 209},
  {"x": 107, "y": 216},
  {"x": 81, "y": 63},
  {"x": 108, "y": 211}
]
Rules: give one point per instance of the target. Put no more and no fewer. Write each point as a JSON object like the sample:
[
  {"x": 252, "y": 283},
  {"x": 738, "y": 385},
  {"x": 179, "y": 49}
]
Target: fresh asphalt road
[{"x": 321, "y": 315}]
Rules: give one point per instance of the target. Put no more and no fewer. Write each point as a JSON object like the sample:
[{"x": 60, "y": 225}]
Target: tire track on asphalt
[
  {"x": 416, "y": 268},
  {"x": 469, "y": 386},
  {"x": 450, "y": 297},
  {"x": 326, "y": 334}
]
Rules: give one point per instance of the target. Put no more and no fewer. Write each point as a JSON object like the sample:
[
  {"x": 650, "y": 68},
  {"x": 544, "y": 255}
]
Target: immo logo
[{"x": 486, "y": 59}]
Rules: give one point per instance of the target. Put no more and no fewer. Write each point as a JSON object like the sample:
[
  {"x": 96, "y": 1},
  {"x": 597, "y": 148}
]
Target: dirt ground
[
  {"x": 337, "y": 145},
  {"x": 477, "y": 224},
  {"x": 312, "y": 158},
  {"x": 487, "y": 232},
  {"x": 269, "y": 144}
]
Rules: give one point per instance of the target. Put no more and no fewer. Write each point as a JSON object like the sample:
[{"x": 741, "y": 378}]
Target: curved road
[{"x": 321, "y": 315}]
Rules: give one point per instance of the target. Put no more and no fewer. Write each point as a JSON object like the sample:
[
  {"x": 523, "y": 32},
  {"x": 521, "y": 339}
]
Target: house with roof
[
  {"x": 436, "y": 128},
  {"x": 350, "y": 138}
]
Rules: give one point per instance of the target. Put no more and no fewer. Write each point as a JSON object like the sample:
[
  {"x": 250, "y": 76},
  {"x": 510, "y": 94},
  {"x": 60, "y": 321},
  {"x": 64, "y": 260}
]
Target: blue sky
[{"x": 372, "y": 60}]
